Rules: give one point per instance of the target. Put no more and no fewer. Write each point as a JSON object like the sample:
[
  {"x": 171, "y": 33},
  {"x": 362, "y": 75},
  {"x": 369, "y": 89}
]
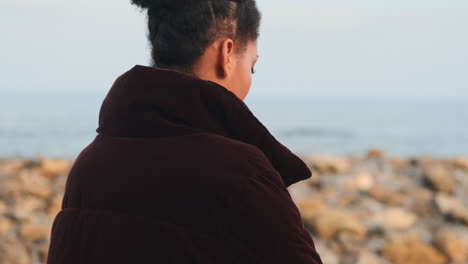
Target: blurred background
[
  {"x": 373, "y": 94},
  {"x": 347, "y": 76}
]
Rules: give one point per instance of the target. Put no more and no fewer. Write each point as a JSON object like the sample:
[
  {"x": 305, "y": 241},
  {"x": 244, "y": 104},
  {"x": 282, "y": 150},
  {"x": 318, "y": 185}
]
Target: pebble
[{"x": 365, "y": 210}]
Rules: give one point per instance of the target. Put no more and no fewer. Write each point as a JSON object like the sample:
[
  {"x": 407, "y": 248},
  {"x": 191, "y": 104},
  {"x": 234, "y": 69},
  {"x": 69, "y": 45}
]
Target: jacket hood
[{"x": 156, "y": 102}]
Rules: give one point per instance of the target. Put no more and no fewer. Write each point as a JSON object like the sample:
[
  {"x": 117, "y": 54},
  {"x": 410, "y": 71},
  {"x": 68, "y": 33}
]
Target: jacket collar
[{"x": 155, "y": 102}]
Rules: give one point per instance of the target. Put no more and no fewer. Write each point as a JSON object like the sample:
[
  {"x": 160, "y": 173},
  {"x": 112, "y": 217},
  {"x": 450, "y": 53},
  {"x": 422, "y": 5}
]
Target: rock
[
  {"x": 11, "y": 167},
  {"x": 55, "y": 205},
  {"x": 315, "y": 181},
  {"x": 399, "y": 163},
  {"x": 461, "y": 178},
  {"x": 460, "y": 162},
  {"x": 330, "y": 221},
  {"x": 3, "y": 207},
  {"x": 326, "y": 254},
  {"x": 451, "y": 207},
  {"x": 367, "y": 257},
  {"x": 43, "y": 253},
  {"x": 361, "y": 181},
  {"x": 298, "y": 192},
  {"x": 422, "y": 161},
  {"x": 423, "y": 209},
  {"x": 5, "y": 225},
  {"x": 12, "y": 251},
  {"x": 54, "y": 167},
  {"x": 346, "y": 198},
  {"x": 395, "y": 218},
  {"x": 411, "y": 250},
  {"x": 34, "y": 183},
  {"x": 327, "y": 193},
  {"x": 35, "y": 231},
  {"x": 309, "y": 208},
  {"x": 375, "y": 153},
  {"x": 10, "y": 187},
  {"x": 329, "y": 164},
  {"x": 60, "y": 183},
  {"x": 370, "y": 205},
  {"x": 348, "y": 258},
  {"x": 439, "y": 178},
  {"x": 421, "y": 201},
  {"x": 386, "y": 196},
  {"x": 350, "y": 242},
  {"x": 453, "y": 246},
  {"x": 376, "y": 240},
  {"x": 419, "y": 193},
  {"x": 27, "y": 206}
]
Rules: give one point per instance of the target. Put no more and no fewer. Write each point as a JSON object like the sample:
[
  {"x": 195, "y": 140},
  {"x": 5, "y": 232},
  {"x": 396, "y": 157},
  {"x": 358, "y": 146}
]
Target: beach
[
  {"x": 371, "y": 95},
  {"x": 367, "y": 208}
]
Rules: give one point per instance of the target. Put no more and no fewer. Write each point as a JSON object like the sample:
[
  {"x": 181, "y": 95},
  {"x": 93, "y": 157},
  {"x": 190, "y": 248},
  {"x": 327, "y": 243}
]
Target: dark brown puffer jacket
[{"x": 180, "y": 172}]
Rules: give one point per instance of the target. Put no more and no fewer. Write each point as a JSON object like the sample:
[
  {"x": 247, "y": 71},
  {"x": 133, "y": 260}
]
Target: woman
[{"x": 181, "y": 171}]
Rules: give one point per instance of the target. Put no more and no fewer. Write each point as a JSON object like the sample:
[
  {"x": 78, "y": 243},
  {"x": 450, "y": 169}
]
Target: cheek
[
  {"x": 249, "y": 76},
  {"x": 249, "y": 80},
  {"x": 246, "y": 77},
  {"x": 243, "y": 78},
  {"x": 244, "y": 82}
]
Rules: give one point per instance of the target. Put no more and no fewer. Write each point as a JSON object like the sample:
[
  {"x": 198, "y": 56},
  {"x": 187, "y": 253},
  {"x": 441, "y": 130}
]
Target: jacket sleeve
[{"x": 267, "y": 222}]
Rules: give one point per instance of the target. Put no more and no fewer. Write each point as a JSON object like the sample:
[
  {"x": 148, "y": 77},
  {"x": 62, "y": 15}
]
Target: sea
[{"x": 60, "y": 125}]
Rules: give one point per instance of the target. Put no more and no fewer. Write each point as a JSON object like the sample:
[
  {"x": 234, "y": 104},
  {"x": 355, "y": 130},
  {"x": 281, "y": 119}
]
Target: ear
[{"x": 226, "y": 58}]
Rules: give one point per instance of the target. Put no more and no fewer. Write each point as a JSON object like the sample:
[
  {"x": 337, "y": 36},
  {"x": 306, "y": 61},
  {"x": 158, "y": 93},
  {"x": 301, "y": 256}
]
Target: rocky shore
[
  {"x": 362, "y": 209},
  {"x": 376, "y": 209}
]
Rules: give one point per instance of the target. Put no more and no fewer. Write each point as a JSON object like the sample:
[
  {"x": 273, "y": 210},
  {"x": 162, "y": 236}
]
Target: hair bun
[
  {"x": 143, "y": 3},
  {"x": 165, "y": 4}
]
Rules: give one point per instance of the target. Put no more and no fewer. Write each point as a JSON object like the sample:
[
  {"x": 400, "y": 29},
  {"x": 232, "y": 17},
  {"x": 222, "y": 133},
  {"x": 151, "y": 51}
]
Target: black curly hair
[{"x": 180, "y": 30}]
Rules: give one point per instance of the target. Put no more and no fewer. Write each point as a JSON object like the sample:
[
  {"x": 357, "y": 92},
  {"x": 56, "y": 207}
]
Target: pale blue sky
[{"x": 412, "y": 48}]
